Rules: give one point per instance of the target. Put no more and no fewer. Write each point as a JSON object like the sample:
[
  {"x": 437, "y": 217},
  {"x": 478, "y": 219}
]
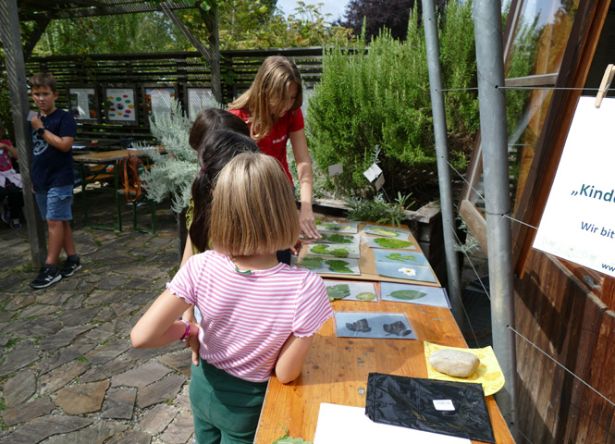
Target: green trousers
[{"x": 226, "y": 409}]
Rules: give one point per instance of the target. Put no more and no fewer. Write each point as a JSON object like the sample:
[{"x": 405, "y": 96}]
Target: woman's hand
[{"x": 307, "y": 224}]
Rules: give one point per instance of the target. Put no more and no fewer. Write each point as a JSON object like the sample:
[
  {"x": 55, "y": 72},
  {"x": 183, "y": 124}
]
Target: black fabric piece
[{"x": 408, "y": 402}]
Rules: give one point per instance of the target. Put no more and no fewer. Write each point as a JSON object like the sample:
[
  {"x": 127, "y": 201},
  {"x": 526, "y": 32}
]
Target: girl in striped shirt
[{"x": 259, "y": 315}]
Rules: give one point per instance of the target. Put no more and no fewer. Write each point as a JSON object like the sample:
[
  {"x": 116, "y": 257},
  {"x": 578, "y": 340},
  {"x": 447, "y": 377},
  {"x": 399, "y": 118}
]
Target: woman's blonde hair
[
  {"x": 268, "y": 93},
  {"x": 253, "y": 209}
]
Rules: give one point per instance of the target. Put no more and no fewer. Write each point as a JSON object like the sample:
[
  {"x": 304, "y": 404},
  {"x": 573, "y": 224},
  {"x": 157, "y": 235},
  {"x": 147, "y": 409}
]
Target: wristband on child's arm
[{"x": 186, "y": 334}]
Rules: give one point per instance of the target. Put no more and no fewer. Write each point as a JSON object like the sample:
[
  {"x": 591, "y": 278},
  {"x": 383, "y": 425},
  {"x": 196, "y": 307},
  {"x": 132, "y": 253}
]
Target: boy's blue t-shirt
[{"x": 50, "y": 166}]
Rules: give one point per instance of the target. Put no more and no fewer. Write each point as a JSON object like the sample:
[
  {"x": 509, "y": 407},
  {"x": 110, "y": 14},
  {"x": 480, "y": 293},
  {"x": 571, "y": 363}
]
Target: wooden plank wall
[
  {"x": 554, "y": 312},
  {"x": 179, "y": 69}
]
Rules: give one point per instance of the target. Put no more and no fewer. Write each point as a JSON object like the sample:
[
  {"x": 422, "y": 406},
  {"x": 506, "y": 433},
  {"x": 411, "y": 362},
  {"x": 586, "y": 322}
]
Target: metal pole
[
  {"x": 490, "y": 68},
  {"x": 444, "y": 181},
  {"x": 10, "y": 35}
]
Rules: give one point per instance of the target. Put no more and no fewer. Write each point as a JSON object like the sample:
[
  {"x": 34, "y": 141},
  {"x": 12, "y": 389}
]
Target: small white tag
[
  {"x": 379, "y": 182},
  {"x": 31, "y": 115},
  {"x": 445, "y": 405},
  {"x": 372, "y": 172},
  {"x": 336, "y": 169}
]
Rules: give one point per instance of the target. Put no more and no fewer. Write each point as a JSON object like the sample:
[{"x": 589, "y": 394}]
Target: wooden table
[
  {"x": 110, "y": 157},
  {"x": 336, "y": 370}
]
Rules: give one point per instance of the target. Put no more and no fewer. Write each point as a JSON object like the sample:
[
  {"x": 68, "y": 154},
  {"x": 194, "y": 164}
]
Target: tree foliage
[
  {"x": 373, "y": 104},
  {"x": 243, "y": 24},
  {"x": 379, "y": 14}
]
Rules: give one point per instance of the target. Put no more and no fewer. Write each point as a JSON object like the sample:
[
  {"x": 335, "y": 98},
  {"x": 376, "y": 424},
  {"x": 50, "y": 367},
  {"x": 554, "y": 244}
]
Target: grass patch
[
  {"x": 11, "y": 343},
  {"x": 82, "y": 359},
  {"x": 3, "y": 426}
]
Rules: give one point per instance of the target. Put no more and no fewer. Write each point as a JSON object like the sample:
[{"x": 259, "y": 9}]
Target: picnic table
[
  {"x": 104, "y": 159},
  {"x": 336, "y": 368}
]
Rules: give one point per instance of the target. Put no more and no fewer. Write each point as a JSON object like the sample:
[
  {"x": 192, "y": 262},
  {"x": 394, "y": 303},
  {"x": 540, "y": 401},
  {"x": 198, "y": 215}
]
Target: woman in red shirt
[{"x": 272, "y": 109}]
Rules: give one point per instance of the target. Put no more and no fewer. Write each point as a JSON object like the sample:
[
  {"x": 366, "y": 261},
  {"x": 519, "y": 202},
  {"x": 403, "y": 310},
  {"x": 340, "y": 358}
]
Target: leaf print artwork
[
  {"x": 338, "y": 266},
  {"x": 339, "y": 291},
  {"x": 408, "y": 295},
  {"x": 392, "y": 243}
]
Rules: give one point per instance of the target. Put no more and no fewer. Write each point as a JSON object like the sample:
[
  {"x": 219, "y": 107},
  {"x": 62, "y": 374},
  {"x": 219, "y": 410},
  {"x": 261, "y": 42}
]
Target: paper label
[
  {"x": 31, "y": 115},
  {"x": 443, "y": 405},
  {"x": 336, "y": 169},
  {"x": 372, "y": 172}
]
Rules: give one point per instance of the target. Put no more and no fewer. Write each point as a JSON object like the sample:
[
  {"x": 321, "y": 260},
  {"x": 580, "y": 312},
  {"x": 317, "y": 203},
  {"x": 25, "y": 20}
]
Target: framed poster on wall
[
  {"x": 83, "y": 103},
  {"x": 158, "y": 99},
  {"x": 199, "y": 99},
  {"x": 120, "y": 105}
]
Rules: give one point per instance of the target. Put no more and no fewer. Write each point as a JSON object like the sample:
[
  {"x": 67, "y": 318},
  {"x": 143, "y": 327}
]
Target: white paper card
[
  {"x": 443, "y": 405},
  {"x": 336, "y": 169},
  {"x": 578, "y": 223},
  {"x": 344, "y": 424},
  {"x": 372, "y": 172}
]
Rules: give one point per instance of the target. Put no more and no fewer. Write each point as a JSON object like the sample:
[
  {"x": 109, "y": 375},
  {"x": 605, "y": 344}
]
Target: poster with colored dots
[{"x": 121, "y": 105}]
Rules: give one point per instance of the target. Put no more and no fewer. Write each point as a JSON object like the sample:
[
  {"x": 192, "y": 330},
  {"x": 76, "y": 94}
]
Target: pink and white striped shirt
[{"x": 247, "y": 317}]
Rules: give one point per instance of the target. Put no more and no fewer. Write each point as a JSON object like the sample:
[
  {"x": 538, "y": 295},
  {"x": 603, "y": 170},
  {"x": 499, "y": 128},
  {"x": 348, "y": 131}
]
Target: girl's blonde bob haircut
[
  {"x": 253, "y": 209},
  {"x": 268, "y": 93}
]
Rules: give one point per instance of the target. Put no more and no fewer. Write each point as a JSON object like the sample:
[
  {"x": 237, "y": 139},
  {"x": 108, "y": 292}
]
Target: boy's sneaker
[
  {"x": 48, "y": 275},
  {"x": 70, "y": 266}
]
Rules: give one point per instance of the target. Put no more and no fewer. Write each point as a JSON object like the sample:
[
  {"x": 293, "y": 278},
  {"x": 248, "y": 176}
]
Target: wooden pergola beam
[
  {"x": 92, "y": 8},
  {"x": 39, "y": 29}
]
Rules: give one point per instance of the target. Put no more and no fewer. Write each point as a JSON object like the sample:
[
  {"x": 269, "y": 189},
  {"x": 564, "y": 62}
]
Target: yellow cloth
[{"x": 488, "y": 373}]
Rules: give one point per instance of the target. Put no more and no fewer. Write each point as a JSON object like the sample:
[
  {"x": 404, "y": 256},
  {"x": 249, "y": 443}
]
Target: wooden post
[
  {"x": 211, "y": 22},
  {"x": 16, "y": 73}
]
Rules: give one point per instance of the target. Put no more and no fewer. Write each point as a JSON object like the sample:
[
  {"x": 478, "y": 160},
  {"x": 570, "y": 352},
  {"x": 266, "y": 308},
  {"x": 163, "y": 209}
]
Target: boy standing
[{"x": 53, "y": 133}]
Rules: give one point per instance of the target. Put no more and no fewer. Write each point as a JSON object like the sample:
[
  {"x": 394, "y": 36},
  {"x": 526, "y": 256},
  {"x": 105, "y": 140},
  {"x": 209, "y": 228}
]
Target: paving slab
[
  {"x": 160, "y": 391},
  {"x": 61, "y": 376},
  {"x": 28, "y": 411},
  {"x": 141, "y": 376},
  {"x": 131, "y": 437},
  {"x": 19, "y": 388},
  {"x": 119, "y": 403},
  {"x": 97, "y": 433},
  {"x": 44, "y": 427},
  {"x": 156, "y": 419},
  {"x": 82, "y": 398},
  {"x": 180, "y": 430},
  {"x": 23, "y": 354},
  {"x": 63, "y": 337}
]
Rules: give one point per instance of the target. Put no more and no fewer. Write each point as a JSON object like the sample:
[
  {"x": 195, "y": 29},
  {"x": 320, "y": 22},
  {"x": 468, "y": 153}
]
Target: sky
[{"x": 333, "y": 7}]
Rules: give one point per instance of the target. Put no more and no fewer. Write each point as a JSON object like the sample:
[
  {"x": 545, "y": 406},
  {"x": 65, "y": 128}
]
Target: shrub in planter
[
  {"x": 171, "y": 174},
  {"x": 379, "y": 95}
]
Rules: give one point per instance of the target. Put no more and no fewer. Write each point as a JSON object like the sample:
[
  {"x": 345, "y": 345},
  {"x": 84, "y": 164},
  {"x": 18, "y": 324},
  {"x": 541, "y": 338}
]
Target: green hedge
[{"x": 379, "y": 95}]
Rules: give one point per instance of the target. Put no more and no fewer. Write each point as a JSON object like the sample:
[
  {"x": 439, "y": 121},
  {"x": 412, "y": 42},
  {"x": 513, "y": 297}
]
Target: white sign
[
  {"x": 336, "y": 169},
  {"x": 199, "y": 99},
  {"x": 578, "y": 223},
  {"x": 443, "y": 405},
  {"x": 372, "y": 172}
]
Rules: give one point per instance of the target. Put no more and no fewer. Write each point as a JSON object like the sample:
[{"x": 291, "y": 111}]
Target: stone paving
[{"x": 68, "y": 373}]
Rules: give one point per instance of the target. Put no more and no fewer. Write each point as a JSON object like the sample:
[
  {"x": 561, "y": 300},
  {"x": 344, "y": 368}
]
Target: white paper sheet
[{"x": 339, "y": 424}]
